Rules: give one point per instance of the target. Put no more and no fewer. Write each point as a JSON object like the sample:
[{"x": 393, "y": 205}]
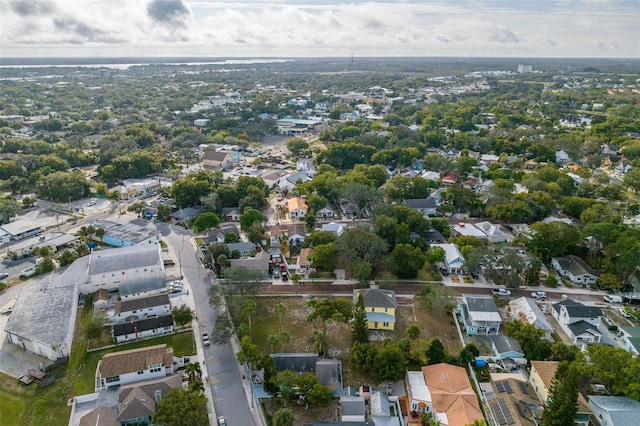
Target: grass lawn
[
  {"x": 434, "y": 323},
  {"x": 34, "y": 405}
]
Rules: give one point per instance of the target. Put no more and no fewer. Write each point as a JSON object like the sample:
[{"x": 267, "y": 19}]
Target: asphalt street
[{"x": 224, "y": 378}]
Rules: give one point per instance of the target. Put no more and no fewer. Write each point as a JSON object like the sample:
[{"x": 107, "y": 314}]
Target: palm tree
[
  {"x": 193, "y": 371},
  {"x": 273, "y": 339},
  {"x": 249, "y": 308},
  {"x": 285, "y": 338},
  {"x": 280, "y": 309},
  {"x": 196, "y": 386}
]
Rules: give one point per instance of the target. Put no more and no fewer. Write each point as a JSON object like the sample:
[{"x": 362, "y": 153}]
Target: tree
[
  {"x": 9, "y": 207},
  {"x": 193, "y": 371},
  {"x": 468, "y": 354},
  {"x": 363, "y": 356},
  {"x": 249, "y": 217},
  {"x": 67, "y": 257},
  {"x": 222, "y": 330},
  {"x": 360, "y": 245},
  {"x": 361, "y": 195},
  {"x": 562, "y": 403},
  {"x": 359, "y": 326},
  {"x": 283, "y": 417},
  {"x": 242, "y": 281},
  {"x": 632, "y": 179},
  {"x": 553, "y": 239},
  {"x": 531, "y": 338},
  {"x": 436, "y": 352},
  {"x": 182, "y": 315},
  {"x": 182, "y": 407},
  {"x": 362, "y": 271},
  {"x": 390, "y": 364},
  {"x": 248, "y": 310},
  {"x": 324, "y": 257},
  {"x": 408, "y": 260},
  {"x": 63, "y": 186},
  {"x": 319, "y": 395},
  {"x": 280, "y": 309},
  {"x": 205, "y": 221},
  {"x": 297, "y": 145},
  {"x": 413, "y": 331}
]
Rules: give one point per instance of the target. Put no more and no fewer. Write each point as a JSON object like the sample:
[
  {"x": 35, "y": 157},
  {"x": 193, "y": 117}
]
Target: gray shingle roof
[
  {"x": 506, "y": 343},
  {"x": 149, "y": 323},
  {"x": 581, "y": 327},
  {"x": 481, "y": 304},
  {"x": 376, "y": 298},
  {"x": 352, "y": 405},
  {"x": 142, "y": 303}
]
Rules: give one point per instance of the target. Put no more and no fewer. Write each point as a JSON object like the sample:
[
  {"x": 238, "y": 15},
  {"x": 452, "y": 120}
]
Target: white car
[
  {"x": 501, "y": 292},
  {"x": 222, "y": 421},
  {"x": 625, "y": 313},
  {"x": 539, "y": 295},
  {"x": 205, "y": 339}
]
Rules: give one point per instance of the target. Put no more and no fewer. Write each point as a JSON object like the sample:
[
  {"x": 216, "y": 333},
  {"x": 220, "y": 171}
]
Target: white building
[
  {"x": 142, "y": 307},
  {"x": 44, "y": 316},
  {"x": 134, "y": 365},
  {"x": 453, "y": 259}
]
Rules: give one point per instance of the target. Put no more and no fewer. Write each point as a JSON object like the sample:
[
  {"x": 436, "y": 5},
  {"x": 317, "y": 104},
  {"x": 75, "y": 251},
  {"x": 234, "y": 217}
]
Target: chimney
[{"x": 158, "y": 395}]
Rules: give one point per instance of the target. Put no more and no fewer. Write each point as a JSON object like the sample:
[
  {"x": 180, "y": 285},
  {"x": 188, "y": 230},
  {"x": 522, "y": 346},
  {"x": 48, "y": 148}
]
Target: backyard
[{"x": 35, "y": 405}]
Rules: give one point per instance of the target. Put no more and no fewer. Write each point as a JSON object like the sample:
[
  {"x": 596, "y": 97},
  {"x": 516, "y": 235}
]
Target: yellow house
[
  {"x": 542, "y": 373},
  {"x": 380, "y": 307}
]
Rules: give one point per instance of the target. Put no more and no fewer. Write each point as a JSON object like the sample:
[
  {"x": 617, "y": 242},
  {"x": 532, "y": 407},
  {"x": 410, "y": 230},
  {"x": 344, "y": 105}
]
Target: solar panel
[
  {"x": 502, "y": 413},
  {"x": 523, "y": 388},
  {"x": 504, "y": 387}
]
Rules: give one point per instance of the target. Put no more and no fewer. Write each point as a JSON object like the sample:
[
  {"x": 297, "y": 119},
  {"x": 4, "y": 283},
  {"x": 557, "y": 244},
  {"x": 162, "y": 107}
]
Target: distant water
[{"x": 124, "y": 63}]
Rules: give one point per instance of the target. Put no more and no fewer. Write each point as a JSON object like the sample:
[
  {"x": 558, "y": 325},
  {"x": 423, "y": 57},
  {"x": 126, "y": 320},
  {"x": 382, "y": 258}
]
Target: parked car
[
  {"x": 501, "y": 292},
  {"x": 27, "y": 272},
  {"x": 626, "y": 313},
  {"x": 205, "y": 339},
  {"x": 613, "y": 299},
  {"x": 91, "y": 203},
  {"x": 222, "y": 421},
  {"x": 541, "y": 295},
  {"x": 3, "y": 275}
]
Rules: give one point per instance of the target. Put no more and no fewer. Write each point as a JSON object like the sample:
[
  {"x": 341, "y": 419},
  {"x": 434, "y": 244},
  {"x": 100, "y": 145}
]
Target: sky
[{"x": 319, "y": 28}]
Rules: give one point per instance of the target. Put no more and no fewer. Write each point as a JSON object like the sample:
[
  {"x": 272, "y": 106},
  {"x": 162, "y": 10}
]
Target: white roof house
[
  {"x": 526, "y": 310},
  {"x": 493, "y": 232},
  {"x": 468, "y": 230},
  {"x": 418, "y": 392},
  {"x": 454, "y": 261}
]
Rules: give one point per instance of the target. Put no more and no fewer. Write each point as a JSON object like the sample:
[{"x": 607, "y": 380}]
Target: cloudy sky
[{"x": 311, "y": 28}]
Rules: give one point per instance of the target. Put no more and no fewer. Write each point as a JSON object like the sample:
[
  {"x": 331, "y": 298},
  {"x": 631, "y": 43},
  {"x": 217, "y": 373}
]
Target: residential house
[
  {"x": 623, "y": 167},
  {"x": 526, "y": 310},
  {"x": 493, "y": 232},
  {"x": 219, "y": 235},
  {"x": 260, "y": 262},
  {"x": 489, "y": 159},
  {"x": 185, "y": 214},
  {"x": 512, "y": 402},
  {"x": 453, "y": 260},
  {"x": 352, "y": 408},
  {"x": 244, "y": 248},
  {"x": 540, "y": 378},
  {"x": 454, "y": 401},
  {"x": 479, "y": 315},
  {"x": 467, "y": 230},
  {"x": 419, "y": 398},
  {"x": 574, "y": 269},
  {"x": 336, "y": 228},
  {"x": 141, "y": 308},
  {"x": 430, "y": 175},
  {"x": 578, "y": 321},
  {"x": 304, "y": 264},
  {"x": 150, "y": 326},
  {"x": 230, "y": 214},
  {"x": 450, "y": 179},
  {"x": 472, "y": 183},
  {"x": 630, "y": 336},
  {"x": 290, "y": 182},
  {"x": 614, "y": 410},
  {"x": 433, "y": 236},
  {"x": 506, "y": 347},
  {"x": 562, "y": 157},
  {"x": 134, "y": 365},
  {"x": 138, "y": 401},
  {"x": 436, "y": 196},
  {"x": 451, "y": 153},
  {"x": 426, "y": 206},
  {"x": 297, "y": 207},
  {"x": 380, "y": 306},
  {"x": 293, "y": 233},
  {"x": 273, "y": 178},
  {"x": 325, "y": 213},
  {"x": 101, "y": 300},
  {"x": 216, "y": 160}
]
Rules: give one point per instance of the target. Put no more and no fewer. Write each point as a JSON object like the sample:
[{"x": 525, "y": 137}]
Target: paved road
[{"x": 225, "y": 379}]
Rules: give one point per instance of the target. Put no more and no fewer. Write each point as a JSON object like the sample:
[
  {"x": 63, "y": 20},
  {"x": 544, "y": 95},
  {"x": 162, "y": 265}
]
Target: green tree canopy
[{"x": 182, "y": 407}]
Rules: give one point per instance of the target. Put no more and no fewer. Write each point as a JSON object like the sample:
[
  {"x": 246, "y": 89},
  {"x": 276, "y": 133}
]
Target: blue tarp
[{"x": 481, "y": 362}]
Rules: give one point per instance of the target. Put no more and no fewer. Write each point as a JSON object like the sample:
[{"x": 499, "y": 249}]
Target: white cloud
[{"x": 319, "y": 28}]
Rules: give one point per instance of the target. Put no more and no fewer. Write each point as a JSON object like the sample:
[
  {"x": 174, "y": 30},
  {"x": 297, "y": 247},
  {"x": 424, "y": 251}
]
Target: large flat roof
[
  {"x": 124, "y": 258},
  {"x": 20, "y": 226},
  {"x": 44, "y": 310}
]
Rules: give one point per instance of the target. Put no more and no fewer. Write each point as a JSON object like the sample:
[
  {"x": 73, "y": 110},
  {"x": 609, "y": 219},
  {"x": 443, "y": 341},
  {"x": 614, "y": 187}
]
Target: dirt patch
[
  {"x": 302, "y": 414},
  {"x": 433, "y": 323}
]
